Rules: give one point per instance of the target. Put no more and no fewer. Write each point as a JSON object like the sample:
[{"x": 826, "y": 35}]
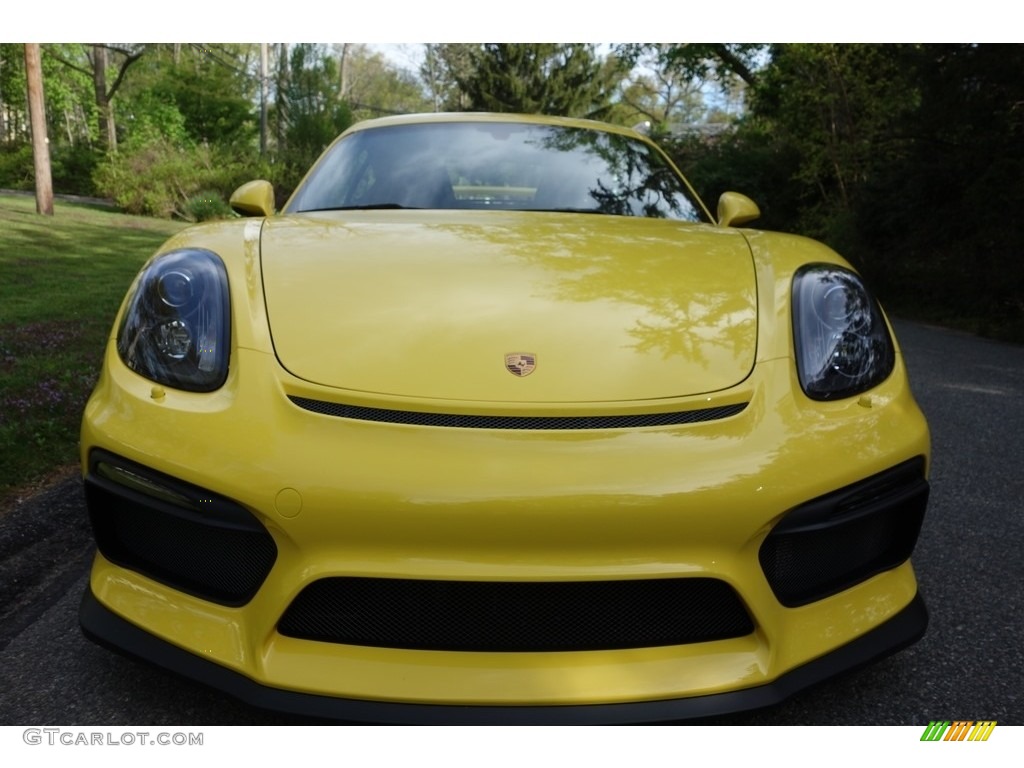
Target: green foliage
[
  {"x": 16, "y": 167},
  {"x": 372, "y": 86},
  {"x": 152, "y": 179},
  {"x": 308, "y": 111},
  {"x": 148, "y": 116},
  {"x": 205, "y": 206},
  {"x": 444, "y": 65},
  {"x": 68, "y": 122},
  {"x": 70, "y": 117},
  {"x": 71, "y": 113},
  {"x": 908, "y": 159},
  {"x": 168, "y": 181},
  {"x": 663, "y": 101},
  {"x": 197, "y": 93},
  {"x": 72, "y": 167},
  {"x": 747, "y": 161},
  {"x": 838, "y": 107},
  {"x": 947, "y": 210},
  {"x": 216, "y": 104},
  {"x": 705, "y": 62},
  {"x": 539, "y": 78},
  {"x": 12, "y": 93}
]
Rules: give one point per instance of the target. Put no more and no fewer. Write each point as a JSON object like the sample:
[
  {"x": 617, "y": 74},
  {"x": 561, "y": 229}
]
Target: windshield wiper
[
  {"x": 562, "y": 210},
  {"x": 371, "y": 207}
]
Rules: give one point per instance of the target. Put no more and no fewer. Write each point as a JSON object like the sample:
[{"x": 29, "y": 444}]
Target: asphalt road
[{"x": 970, "y": 562}]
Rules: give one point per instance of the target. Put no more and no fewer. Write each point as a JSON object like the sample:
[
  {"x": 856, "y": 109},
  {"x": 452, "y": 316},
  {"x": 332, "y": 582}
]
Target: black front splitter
[{"x": 103, "y": 626}]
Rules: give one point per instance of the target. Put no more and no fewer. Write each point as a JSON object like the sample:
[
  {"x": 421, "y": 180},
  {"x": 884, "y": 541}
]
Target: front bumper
[
  {"x": 108, "y": 629},
  {"x": 342, "y": 499}
]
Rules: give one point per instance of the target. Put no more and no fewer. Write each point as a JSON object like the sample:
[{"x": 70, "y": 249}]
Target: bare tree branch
[
  {"x": 70, "y": 64},
  {"x": 733, "y": 62},
  {"x": 129, "y": 59}
]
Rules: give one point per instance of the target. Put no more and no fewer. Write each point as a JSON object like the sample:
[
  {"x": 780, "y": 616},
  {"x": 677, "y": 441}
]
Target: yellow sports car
[{"x": 496, "y": 422}]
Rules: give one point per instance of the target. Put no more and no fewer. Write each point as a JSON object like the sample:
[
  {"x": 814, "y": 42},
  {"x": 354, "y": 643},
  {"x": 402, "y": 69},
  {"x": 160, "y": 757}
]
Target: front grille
[
  {"x": 839, "y": 540},
  {"x": 471, "y": 421},
  {"x": 215, "y": 550},
  {"x": 516, "y": 616}
]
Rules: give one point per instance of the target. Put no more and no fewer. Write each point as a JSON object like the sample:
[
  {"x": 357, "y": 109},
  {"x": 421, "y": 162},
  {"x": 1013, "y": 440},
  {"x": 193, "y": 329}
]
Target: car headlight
[
  {"x": 842, "y": 343},
  {"x": 176, "y": 326}
]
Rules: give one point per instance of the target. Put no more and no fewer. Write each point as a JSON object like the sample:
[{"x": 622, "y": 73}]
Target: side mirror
[
  {"x": 254, "y": 198},
  {"x": 735, "y": 209}
]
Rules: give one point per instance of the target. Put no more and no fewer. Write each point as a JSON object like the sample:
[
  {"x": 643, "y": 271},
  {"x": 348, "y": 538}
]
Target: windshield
[{"x": 489, "y": 165}]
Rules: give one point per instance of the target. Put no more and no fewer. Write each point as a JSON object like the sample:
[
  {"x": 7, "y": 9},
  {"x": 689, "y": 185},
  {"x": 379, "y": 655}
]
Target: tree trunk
[
  {"x": 343, "y": 72},
  {"x": 3, "y": 110},
  {"x": 281, "y": 87},
  {"x": 108, "y": 129},
  {"x": 40, "y": 144}
]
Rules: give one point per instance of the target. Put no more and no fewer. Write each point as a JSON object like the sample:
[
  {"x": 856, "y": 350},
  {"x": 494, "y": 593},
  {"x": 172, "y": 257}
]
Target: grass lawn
[{"x": 62, "y": 279}]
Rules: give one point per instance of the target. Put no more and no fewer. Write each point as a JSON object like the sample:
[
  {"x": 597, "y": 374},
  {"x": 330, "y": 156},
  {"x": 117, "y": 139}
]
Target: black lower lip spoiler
[{"x": 106, "y": 628}]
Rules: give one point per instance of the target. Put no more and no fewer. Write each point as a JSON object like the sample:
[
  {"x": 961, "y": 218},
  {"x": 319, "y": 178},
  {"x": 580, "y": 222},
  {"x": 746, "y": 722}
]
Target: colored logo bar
[{"x": 958, "y": 730}]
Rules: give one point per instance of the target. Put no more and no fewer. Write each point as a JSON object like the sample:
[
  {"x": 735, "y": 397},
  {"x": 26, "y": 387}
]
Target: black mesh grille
[
  {"x": 839, "y": 540},
  {"x": 221, "y": 553},
  {"x": 516, "y": 616},
  {"x": 469, "y": 421}
]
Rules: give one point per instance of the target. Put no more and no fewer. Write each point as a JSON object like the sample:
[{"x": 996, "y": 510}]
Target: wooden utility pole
[
  {"x": 37, "y": 116},
  {"x": 263, "y": 98}
]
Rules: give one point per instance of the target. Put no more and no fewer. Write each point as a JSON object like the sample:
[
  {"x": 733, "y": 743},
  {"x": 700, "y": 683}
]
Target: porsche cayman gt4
[{"x": 495, "y": 421}]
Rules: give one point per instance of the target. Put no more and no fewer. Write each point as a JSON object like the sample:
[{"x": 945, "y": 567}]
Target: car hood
[{"x": 429, "y": 304}]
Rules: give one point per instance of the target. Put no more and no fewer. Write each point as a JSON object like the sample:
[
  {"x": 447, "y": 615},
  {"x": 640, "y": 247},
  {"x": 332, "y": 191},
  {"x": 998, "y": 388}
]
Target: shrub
[
  {"x": 72, "y": 166},
  {"x": 16, "y": 167},
  {"x": 164, "y": 179},
  {"x": 205, "y": 206},
  {"x": 151, "y": 179},
  {"x": 159, "y": 178}
]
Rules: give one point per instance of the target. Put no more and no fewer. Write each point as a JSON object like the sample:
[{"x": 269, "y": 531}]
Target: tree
[
  {"x": 839, "y": 107},
  {"x": 70, "y": 114},
  {"x": 545, "y": 78},
  {"x": 70, "y": 108},
  {"x": 308, "y": 111},
  {"x": 13, "y": 113},
  {"x": 720, "y": 62},
  {"x": 94, "y": 61},
  {"x": 100, "y": 58},
  {"x": 946, "y": 206},
  {"x": 372, "y": 86},
  {"x": 203, "y": 93},
  {"x": 70, "y": 122},
  {"x": 444, "y": 66},
  {"x": 662, "y": 95}
]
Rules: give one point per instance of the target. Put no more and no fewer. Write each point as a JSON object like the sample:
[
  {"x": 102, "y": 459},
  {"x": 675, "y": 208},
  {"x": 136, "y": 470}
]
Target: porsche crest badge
[{"x": 521, "y": 363}]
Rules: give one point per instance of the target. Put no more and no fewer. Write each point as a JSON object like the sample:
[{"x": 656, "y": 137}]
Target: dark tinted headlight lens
[
  {"x": 176, "y": 328},
  {"x": 842, "y": 343}
]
